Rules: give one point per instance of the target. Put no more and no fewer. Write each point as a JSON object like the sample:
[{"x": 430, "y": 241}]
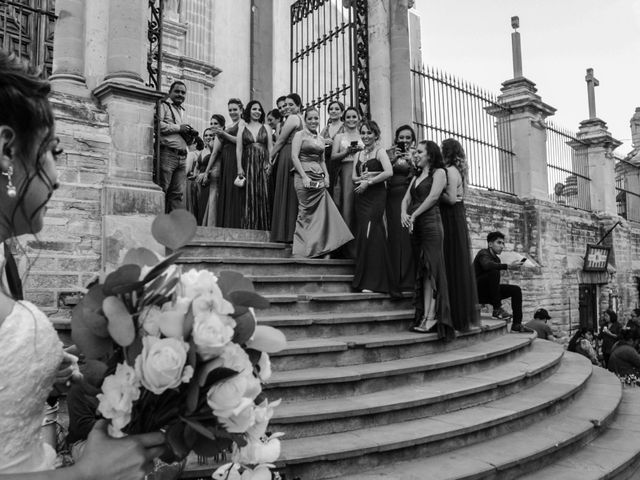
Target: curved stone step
[
  {"x": 336, "y": 302},
  {"x": 302, "y": 284},
  {"x": 235, "y": 248},
  {"x": 269, "y": 265},
  {"x": 501, "y": 439},
  {"x": 331, "y": 382},
  {"x": 321, "y": 417},
  {"x": 615, "y": 454},
  {"x": 373, "y": 347},
  {"x": 204, "y": 234}
]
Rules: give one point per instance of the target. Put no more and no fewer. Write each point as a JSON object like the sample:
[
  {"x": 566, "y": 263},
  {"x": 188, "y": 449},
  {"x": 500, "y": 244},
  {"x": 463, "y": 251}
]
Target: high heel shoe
[{"x": 425, "y": 325}]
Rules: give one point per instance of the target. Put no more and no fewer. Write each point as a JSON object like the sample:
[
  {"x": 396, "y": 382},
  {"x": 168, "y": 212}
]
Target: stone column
[
  {"x": 401, "y": 104},
  {"x": 262, "y": 52},
  {"x": 379, "y": 70},
  {"x": 68, "y": 49},
  {"x": 596, "y": 144},
  {"x": 126, "y": 56},
  {"x": 523, "y": 122}
]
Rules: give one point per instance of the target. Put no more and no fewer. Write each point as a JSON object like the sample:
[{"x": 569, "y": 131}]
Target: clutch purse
[{"x": 240, "y": 181}]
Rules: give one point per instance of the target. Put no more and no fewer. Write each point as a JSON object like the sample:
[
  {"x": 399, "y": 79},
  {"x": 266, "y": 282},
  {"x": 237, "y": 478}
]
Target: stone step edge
[
  {"x": 345, "y": 342},
  {"x": 235, "y": 243},
  {"x": 619, "y": 459},
  {"x": 585, "y": 398},
  {"x": 331, "y": 297},
  {"x": 354, "y": 373},
  {"x": 335, "y": 407},
  {"x": 265, "y": 260}
]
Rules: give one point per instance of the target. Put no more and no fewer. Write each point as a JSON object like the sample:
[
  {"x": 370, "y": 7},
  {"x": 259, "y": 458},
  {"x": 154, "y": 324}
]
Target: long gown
[
  {"x": 319, "y": 226},
  {"x": 255, "y": 156},
  {"x": 400, "y": 249},
  {"x": 285, "y": 201},
  {"x": 461, "y": 279},
  {"x": 211, "y": 212},
  {"x": 373, "y": 270},
  {"x": 230, "y": 197},
  {"x": 427, "y": 239},
  {"x": 333, "y": 167},
  {"x": 30, "y": 353},
  {"x": 199, "y": 193}
]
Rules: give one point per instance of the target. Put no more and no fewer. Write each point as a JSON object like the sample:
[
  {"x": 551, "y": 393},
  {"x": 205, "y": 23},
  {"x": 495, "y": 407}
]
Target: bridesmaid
[
  {"x": 373, "y": 271},
  {"x": 319, "y": 226},
  {"x": 285, "y": 202},
  {"x": 202, "y": 185},
  {"x": 334, "y": 127},
  {"x": 345, "y": 147},
  {"x": 231, "y": 198},
  {"x": 399, "y": 238},
  {"x": 213, "y": 172},
  {"x": 463, "y": 296},
  {"x": 274, "y": 120},
  {"x": 421, "y": 215},
  {"x": 192, "y": 168},
  {"x": 252, "y": 153}
]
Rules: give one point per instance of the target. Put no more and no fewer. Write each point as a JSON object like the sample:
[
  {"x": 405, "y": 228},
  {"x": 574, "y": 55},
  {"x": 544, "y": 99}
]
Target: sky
[{"x": 560, "y": 40}]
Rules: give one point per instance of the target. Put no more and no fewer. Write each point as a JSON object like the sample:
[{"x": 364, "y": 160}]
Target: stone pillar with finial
[
  {"x": 596, "y": 144},
  {"x": 521, "y": 128}
]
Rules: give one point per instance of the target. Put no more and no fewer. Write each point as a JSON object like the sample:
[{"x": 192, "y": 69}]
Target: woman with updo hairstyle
[
  {"x": 32, "y": 360},
  {"x": 334, "y": 126},
  {"x": 319, "y": 226},
  {"x": 285, "y": 199},
  {"x": 373, "y": 270},
  {"x": 421, "y": 215},
  {"x": 230, "y": 197},
  {"x": 400, "y": 155},
  {"x": 212, "y": 171},
  {"x": 252, "y": 152},
  {"x": 461, "y": 279}
]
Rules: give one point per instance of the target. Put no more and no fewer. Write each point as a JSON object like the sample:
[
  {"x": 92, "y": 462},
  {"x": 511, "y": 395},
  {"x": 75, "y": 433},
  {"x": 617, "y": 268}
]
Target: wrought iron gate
[
  {"x": 26, "y": 29},
  {"x": 330, "y": 52}
]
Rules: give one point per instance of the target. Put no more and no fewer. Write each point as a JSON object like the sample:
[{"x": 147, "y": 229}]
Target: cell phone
[
  {"x": 403, "y": 147},
  {"x": 354, "y": 144},
  {"x": 315, "y": 184}
]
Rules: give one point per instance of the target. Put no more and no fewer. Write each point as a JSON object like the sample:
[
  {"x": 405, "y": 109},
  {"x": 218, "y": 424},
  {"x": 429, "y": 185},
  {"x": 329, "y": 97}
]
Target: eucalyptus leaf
[
  {"x": 175, "y": 229},
  {"x": 245, "y": 327},
  {"x": 123, "y": 280},
  {"x": 120, "y": 325},
  {"x": 248, "y": 299}
]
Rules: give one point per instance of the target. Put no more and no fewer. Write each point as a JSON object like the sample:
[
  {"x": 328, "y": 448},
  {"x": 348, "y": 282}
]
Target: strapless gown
[{"x": 30, "y": 353}]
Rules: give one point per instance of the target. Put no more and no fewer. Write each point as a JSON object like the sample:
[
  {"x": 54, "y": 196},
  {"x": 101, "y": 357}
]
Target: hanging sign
[{"x": 596, "y": 258}]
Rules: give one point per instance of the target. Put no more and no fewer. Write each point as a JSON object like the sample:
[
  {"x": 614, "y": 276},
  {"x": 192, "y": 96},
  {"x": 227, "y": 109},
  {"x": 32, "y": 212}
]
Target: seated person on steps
[
  {"x": 540, "y": 326},
  {"x": 487, "y": 266}
]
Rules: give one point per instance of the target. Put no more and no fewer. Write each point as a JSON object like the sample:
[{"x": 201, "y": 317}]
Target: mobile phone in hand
[
  {"x": 354, "y": 144},
  {"x": 314, "y": 184}
]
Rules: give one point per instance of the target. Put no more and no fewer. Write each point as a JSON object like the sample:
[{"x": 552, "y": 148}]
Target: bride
[{"x": 31, "y": 355}]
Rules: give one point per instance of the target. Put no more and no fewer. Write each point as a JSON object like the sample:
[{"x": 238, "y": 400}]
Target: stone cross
[
  {"x": 592, "y": 83},
  {"x": 516, "y": 49}
]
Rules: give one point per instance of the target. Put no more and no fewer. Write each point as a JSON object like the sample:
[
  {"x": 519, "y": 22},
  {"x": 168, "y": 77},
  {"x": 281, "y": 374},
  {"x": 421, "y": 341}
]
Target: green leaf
[
  {"x": 143, "y": 257},
  {"x": 198, "y": 427},
  {"x": 267, "y": 339},
  {"x": 124, "y": 280},
  {"x": 175, "y": 229},
  {"x": 121, "y": 327},
  {"x": 161, "y": 267},
  {"x": 254, "y": 355},
  {"x": 245, "y": 327},
  {"x": 133, "y": 350},
  {"x": 193, "y": 397},
  {"x": 210, "y": 374},
  {"x": 174, "y": 438},
  {"x": 209, "y": 448},
  {"x": 248, "y": 299}
]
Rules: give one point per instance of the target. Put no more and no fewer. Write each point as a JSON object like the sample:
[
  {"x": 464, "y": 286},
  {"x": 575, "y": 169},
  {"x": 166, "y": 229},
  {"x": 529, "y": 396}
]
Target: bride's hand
[
  {"x": 68, "y": 371},
  {"x": 128, "y": 458}
]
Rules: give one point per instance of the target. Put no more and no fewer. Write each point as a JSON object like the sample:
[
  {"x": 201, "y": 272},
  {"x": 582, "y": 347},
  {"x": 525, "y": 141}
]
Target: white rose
[
  {"x": 195, "y": 283},
  {"x": 161, "y": 365},
  {"x": 168, "y": 320},
  {"x": 226, "y": 395},
  {"x": 150, "y": 317},
  {"x": 212, "y": 303},
  {"x": 242, "y": 418},
  {"x": 264, "y": 367},
  {"x": 258, "y": 452},
  {"x": 263, "y": 413},
  {"x": 211, "y": 335},
  {"x": 234, "y": 357},
  {"x": 234, "y": 471},
  {"x": 119, "y": 391}
]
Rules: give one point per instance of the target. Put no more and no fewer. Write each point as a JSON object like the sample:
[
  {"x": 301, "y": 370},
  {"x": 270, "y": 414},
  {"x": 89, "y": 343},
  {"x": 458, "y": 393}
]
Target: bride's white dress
[{"x": 30, "y": 353}]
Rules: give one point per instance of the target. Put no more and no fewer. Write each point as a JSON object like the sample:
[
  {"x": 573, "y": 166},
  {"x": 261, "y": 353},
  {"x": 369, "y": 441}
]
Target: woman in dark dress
[
  {"x": 213, "y": 173},
  {"x": 421, "y": 215},
  {"x": 461, "y": 279},
  {"x": 230, "y": 197},
  {"x": 193, "y": 168},
  {"x": 285, "y": 201},
  {"x": 333, "y": 128},
  {"x": 274, "y": 120},
  {"x": 399, "y": 239},
  {"x": 320, "y": 228},
  {"x": 373, "y": 272},
  {"x": 252, "y": 152}
]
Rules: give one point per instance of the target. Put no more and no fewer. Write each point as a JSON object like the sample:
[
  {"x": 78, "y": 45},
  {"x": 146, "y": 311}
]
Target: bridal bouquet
[{"x": 182, "y": 352}]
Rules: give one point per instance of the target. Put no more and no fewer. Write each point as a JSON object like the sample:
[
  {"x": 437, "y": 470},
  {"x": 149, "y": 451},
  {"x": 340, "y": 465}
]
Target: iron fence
[
  {"x": 446, "y": 106},
  {"x": 329, "y": 53},
  {"x": 567, "y": 168},
  {"x": 628, "y": 190},
  {"x": 26, "y": 29}
]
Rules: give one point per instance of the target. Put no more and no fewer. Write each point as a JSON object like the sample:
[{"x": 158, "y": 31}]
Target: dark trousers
[
  {"x": 172, "y": 178},
  {"x": 491, "y": 291}
]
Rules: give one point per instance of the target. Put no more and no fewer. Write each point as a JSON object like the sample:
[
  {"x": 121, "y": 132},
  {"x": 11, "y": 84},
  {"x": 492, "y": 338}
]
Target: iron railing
[
  {"x": 445, "y": 106},
  {"x": 330, "y": 53},
  {"x": 567, "y": 168},
  {"x": 628, "y": 190},
  {"x": 26, "y": 29},
  {"x": 154, "y": 69}
]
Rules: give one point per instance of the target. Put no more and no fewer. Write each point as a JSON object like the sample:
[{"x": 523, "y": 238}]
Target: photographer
[{"x": 175, "y": 135}]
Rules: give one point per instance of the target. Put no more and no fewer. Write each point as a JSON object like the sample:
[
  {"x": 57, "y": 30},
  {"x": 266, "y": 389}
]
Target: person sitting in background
[
  {"x": 633, "y": 324},
  {"x": 582, "y": 343},
  {"x": 623, "y": 359},
  {"x": 487, "y": 266},
  {"x": 540, "y": 326},
  {"x": 609, "y": 331}
]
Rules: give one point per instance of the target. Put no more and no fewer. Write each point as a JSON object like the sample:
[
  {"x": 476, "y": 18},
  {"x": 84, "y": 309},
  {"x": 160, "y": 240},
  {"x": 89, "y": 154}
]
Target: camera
[{"x": 190, "y": 135}]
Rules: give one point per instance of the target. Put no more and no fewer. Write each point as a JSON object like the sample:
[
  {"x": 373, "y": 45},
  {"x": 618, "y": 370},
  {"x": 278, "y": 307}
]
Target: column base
[{"x": 70, "y": 84}]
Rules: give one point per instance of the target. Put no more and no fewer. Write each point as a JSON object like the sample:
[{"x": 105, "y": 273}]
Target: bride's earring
[{"x": 7, "y": 171}]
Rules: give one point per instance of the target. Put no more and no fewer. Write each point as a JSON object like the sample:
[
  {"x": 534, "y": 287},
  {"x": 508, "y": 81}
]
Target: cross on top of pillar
[{"x": 592, "y": 82}]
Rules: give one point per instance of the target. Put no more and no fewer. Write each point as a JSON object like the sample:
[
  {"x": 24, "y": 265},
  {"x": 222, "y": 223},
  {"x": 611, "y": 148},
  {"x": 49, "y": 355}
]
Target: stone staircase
[{"x": 365, "y": 399}]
